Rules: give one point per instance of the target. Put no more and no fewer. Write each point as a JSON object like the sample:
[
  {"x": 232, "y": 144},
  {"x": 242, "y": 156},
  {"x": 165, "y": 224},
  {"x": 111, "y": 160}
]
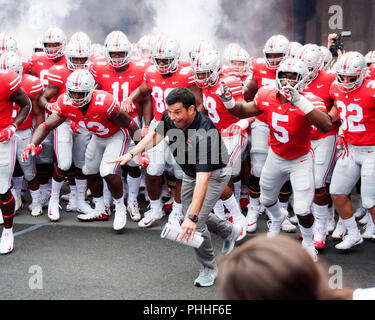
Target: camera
[{"x": 338, "y": 43}]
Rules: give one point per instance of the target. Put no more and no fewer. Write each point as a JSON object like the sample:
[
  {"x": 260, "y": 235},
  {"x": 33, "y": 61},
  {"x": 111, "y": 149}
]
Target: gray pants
[{"x": 207, "y": 221}]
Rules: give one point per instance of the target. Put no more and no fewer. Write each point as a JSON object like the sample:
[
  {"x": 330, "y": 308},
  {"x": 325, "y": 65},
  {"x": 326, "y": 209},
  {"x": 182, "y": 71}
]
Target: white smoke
[
  {"x": 35, "y": 18},
  {"x": 188, "y": 20}
]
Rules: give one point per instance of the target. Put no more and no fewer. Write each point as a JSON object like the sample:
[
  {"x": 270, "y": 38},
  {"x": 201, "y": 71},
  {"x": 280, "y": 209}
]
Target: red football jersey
[
  {"x": 161, "y": 86},
  {"x": 96, "y": 118},
  {"x": 320, "y": 87},
  {"x": 357, "y": 113},
  {"x": 290, "y": 129},
  {"x": 41, "y": 64},
  {"x": 32, "y": 87},
  {"x": 263, "y": 76},
  {"x": 216, "y": 110},
  {"x": 120, "y": 85},
  {"x": 10, "y": 82}
]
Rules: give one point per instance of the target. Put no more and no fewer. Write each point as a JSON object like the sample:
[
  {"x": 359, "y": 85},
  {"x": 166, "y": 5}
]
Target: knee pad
[
  {"x": 302, "y": 208},
  {"x": 322, "y": 195},
  {"x": 367, "y": 202}
]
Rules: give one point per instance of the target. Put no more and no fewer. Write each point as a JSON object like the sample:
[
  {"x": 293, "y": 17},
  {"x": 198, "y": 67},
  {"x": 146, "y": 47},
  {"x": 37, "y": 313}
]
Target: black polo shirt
[{"x": 196, "y": 149}]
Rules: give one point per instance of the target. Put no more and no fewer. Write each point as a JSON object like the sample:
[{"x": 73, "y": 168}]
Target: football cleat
[
  {"x": 96, "y": 215},
  {"x": 339, "y": 231},
  {"x": 150, "y": 217},
  {"x": 120, "y": 219},
  {"x": 311, "y": 251},
  {"x": 6, "y": 243},
  {"x": 133, "y": 210},
  {"x": 53, "y": 210},
  {"x": 349, "y": 241},
  {"x": 36, "y": 209},
  {"x": 252, "y": 217}
]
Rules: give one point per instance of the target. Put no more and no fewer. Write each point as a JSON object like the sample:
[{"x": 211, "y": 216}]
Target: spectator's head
[{"x": 278, "y": 268}]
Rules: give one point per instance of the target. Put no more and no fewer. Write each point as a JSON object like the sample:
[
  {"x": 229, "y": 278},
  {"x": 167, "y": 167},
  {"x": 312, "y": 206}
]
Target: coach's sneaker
[
  {"x": 36, "y": 209},
  {"x": 359, "y": 213},
  {"x": 287, "y": 226},
  {"x": 228, "y": 243},
  {"x": 84, "y": 207},
  {"x": 133, "y": 210},
  {"x": 176, "y": 217},
  {"x": 206, "y": 277},
  {"x": 364, "y": 219},
  {"x": 53, "y": 210},
  {"x": 72, "y": 202},
  {"x": 349, "y": 241},
  {"x": 339, "y": 231},
  {"x": 369, "y": 229},
  {"x": 6, "y": 242},
  {"x": 150, "y": 217},
  {"x": 120, "y": 219},
  {"x": 311, "y": 251}
]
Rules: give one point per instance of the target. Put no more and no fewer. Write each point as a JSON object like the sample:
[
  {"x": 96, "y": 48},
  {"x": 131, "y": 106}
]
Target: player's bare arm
[
  {"x": 251, "y": 88},
  {"x": 22, "y": 100},
  {"x": 53, "y": 121},
  {"x": 124, "y": 120},
  {"x": 140, "y": 93},
  {"x": 38, "y": 112}
]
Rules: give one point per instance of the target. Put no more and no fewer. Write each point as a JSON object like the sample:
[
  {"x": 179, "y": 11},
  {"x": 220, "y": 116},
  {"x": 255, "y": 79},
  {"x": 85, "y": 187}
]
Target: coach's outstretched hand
[{"x": 123, "y": 159}]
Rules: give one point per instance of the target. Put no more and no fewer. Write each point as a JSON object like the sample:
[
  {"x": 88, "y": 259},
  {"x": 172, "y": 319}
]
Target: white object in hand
[{"x": 173, "y": 232}]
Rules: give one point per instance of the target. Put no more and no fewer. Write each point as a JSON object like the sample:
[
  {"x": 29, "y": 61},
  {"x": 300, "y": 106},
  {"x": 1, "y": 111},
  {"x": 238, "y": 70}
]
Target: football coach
[{"x": 197, "y": 147}]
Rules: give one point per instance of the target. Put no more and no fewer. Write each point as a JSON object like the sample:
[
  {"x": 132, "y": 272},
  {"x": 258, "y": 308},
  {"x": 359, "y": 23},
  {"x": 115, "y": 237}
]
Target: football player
[
  {"x": 120, "y": 75},
  {"x": 323, "y": 144},
  {"x": 275, "y": 51},
  {"x": 110, "y": 126},
  {"x": 208, "y": 76},
  {"x": 10, "y": 92},
  {"x": 33, "y": 88},
  {"x": 353, "y": 95},
  {"x": 54, "y": 42},
  {"x": 290, "y": 115},
  {"x": 70, "y": 138}
]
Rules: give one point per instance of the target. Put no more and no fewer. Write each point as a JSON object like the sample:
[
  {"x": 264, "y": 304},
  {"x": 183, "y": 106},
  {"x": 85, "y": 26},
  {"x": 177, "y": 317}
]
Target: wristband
[
  {"x": 304, "y": 105},
  {"x": 230, "y": 104},
  {"x": 13, "y": 124}
]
